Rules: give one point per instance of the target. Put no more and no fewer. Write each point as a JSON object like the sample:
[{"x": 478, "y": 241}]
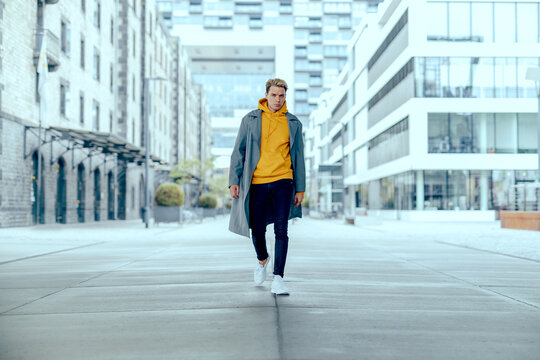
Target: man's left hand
[{"x": 298, "y": 199}]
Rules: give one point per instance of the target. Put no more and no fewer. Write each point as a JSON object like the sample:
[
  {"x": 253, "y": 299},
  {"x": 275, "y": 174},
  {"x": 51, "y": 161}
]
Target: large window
[
  {"x": 486, "y": 21},
  {"x": 482, "y": 133},
  {"x": 486, "y": 77}
]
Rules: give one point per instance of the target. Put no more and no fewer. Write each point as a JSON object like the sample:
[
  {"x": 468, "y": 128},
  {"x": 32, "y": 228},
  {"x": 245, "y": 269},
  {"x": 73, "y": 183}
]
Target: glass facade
[
  {"x": 243, "y": 91},
  {"x": 443, "y": 190},
  {"x": 509, "y": 133},
  {"x": 501, "y": 22},
  {"x": 474, "y": 77}
]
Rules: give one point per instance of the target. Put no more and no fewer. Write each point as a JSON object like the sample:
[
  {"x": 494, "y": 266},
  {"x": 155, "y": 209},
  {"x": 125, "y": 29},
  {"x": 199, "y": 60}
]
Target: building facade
[
  {"x": 87, "y": 109},
  {"x": 235, "y": 46},
  {"x": 430, "y": 115}
]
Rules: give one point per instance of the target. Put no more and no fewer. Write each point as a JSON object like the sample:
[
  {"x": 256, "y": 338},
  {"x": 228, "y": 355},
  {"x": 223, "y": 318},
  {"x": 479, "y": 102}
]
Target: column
[
  {"x": 419, "y": 190},
  {"x": 484, "y": 190}
]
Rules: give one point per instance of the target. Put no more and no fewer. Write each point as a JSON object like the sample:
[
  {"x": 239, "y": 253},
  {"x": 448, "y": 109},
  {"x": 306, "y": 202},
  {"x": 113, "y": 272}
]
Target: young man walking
[{"x": 267, "y": 179}]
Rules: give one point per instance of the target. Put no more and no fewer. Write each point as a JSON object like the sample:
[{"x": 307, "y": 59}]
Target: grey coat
[{"x": 244, "y": 159}]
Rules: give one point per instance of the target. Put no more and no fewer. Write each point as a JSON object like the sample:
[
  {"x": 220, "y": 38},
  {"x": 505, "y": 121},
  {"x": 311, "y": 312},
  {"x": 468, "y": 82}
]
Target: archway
[
  {"x": 61, "y": 191},
  {"x": 37, "y": 219},
  {"x": 97, "y": 195},
  {"x": 81, "y": 192}
]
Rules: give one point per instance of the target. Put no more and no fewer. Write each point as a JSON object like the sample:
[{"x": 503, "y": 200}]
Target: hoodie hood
[{"x": 263, "y": 105}]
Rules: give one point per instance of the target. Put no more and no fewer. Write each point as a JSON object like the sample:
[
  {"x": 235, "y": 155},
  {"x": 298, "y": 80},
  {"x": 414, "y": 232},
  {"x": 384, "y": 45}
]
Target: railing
[{"x": 525, "y": 197}]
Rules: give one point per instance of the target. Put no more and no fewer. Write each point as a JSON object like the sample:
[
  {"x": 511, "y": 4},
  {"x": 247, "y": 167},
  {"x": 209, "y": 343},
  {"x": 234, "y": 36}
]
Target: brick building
[{"x": 92, "y": 154}]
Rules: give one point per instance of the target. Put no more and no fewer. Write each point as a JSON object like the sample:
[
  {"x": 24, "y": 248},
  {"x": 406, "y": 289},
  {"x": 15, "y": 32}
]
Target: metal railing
[{"x": 525, "y": 197}]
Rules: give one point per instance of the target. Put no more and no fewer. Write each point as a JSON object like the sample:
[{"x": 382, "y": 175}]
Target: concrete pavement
[{"x": 374, "y": 291}]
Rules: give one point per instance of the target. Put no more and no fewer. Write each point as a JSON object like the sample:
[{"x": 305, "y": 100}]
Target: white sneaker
[
  {"x": 278, "y": 286},
  {"x": 259, "y": 275}
]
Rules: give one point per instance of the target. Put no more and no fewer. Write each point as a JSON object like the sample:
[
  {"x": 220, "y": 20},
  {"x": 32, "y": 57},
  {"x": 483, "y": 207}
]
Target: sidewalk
[{"x": 377, "y": 290}]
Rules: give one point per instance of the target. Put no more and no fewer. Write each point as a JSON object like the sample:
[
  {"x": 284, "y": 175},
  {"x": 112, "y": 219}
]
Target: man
[{"x": 267, "y": 179}]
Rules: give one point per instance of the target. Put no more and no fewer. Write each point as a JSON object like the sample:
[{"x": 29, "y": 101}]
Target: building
[
  {"x": 432, "y": 112},
  {"x": 87, "y": 109},
  {"x": 235, "y": 46}
]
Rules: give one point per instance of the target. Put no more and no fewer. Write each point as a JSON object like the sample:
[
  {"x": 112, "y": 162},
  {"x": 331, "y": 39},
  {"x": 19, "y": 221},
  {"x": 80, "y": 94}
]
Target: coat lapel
[{"x": 293, "y": 127}]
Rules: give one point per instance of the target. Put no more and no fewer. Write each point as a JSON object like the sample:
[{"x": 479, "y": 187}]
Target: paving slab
[{"x": 377, "y": 291}]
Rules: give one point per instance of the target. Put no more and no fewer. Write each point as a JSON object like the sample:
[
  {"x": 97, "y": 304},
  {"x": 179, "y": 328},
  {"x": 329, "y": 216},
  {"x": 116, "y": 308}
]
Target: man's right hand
[{"x": 235, "y": 191}]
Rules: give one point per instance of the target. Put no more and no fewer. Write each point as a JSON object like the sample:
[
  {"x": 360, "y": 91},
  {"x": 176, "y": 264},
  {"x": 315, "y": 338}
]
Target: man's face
[{"x": 275, "y": 97}]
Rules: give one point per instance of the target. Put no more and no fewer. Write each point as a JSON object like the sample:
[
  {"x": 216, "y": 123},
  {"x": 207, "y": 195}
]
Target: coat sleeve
[
  {"x": 300, "y": 166},
  {"x": 238, "y": 155}
]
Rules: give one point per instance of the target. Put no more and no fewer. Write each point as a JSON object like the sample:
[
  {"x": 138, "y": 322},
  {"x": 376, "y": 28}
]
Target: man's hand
[
  {"x": 298, "y": 199},
  {"x": 235, "y": 191}
]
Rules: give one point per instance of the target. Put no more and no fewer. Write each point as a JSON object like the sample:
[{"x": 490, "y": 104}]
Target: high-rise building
[
  {"x": 235, "y": 46},
  {"x": 432, "y": 112}
]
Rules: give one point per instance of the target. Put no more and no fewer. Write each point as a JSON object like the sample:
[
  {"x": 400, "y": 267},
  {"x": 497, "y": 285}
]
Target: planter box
[
  {"x": 524, "y": 220},
  {"x": 167, "y": 214}
]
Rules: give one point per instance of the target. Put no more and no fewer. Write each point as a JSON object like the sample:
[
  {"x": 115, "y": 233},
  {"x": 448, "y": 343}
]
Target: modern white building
[{"x": 433, "y": 117}]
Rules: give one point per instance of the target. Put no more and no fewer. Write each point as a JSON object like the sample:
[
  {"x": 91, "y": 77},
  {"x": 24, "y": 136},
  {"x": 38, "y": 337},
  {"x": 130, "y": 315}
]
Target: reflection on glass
[
  {"x": 527, "y": 133},
  {"x": 505, "y": 133},
  {"x": 526, "y": 88},
  {"x": 460, "y": 21},
  {"x": 505, "y": 78},
  {"x": 461, "y": 133},
  {"x": 459, "y": 86},
  {"x": 438, "y": 133},
  {"x": 527, "y": 24},
  {"x": 482, "y": 77},
  {"x": 482, "y": 24},
  {"x": 437, "y": 21},
  {"x": 505, "y": 22},
  {"x": 484, "y": 133}
]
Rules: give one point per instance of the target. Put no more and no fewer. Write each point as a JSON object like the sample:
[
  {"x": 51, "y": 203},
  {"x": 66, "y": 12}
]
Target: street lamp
[
  {"x": 534, "y": 75},
  {"x": 147, "y": 146}
]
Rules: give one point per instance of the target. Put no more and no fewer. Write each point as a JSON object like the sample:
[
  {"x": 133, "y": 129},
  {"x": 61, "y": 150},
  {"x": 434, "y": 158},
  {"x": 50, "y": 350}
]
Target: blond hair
[{"x": 276, "y": 82}]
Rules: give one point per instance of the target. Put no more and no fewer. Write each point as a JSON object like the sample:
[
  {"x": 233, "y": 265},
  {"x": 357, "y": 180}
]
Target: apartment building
[
  {"x": 87, "y": 109},
  {"x": 432, "y": 117}
]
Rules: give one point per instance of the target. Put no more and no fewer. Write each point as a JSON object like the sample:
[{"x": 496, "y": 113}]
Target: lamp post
[
  {"x": 534, "y": 75},
  {"x": 147, "y": 146}
]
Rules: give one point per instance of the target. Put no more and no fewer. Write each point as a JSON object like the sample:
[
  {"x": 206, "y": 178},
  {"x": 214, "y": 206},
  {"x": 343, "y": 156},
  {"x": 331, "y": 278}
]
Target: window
[
  {"x": 482, "y": 25},
  {"x": 111, "y": 78},
  {"x": 95, "y": 115},
  {"x": 527, "y": 133},
  {"x": 505, "y": 133},
  {"x": 505, "y": 78},
  {"x": 133, "y": 86},
  {"x": 112, "y": 30},
  {"x": 437, "y": 21},
  {"x": 65, "y": 41},
  {"x": 527, "y": 16},
  {"x": 97, "y": 14},
  {"x": 526, "y": 88},
  {"x": 505, "y": 22},
  {"x": 82, "y": 55},
  {"x": 64, "y": 99},
  {"x": 96, "y": 73},
  {"x": 300, "y": 95},
  {"x": 81, "y": 108},
  {"x": 460, "y": 21},
  {"x": 134, "y": 43}
]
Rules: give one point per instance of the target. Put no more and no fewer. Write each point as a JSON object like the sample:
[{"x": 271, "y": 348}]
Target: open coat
[{"x": 244, "y": 159}]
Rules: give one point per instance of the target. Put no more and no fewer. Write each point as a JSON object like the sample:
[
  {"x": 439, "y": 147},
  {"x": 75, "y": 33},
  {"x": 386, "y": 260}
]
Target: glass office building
[{"x": 438, "y": 115}]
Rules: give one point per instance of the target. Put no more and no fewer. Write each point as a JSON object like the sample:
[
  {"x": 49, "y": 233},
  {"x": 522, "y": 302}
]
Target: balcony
[{"x": 53, "y": 49}]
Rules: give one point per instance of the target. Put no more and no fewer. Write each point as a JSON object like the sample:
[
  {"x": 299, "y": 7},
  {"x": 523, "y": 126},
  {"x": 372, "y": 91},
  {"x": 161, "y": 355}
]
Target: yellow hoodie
[{"x": 275, "y": 161}]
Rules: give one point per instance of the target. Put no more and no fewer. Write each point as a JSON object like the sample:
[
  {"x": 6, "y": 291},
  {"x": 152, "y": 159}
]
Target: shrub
[
  {"x": 228, "y": 204},
  {"x": 169, "y": 194},
  {"x": 305, "y": 202},
  {"x": 208, "y": 201}
]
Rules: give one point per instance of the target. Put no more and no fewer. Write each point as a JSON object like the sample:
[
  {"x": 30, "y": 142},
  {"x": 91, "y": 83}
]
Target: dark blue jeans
[{"x": 272, "y": 199}]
